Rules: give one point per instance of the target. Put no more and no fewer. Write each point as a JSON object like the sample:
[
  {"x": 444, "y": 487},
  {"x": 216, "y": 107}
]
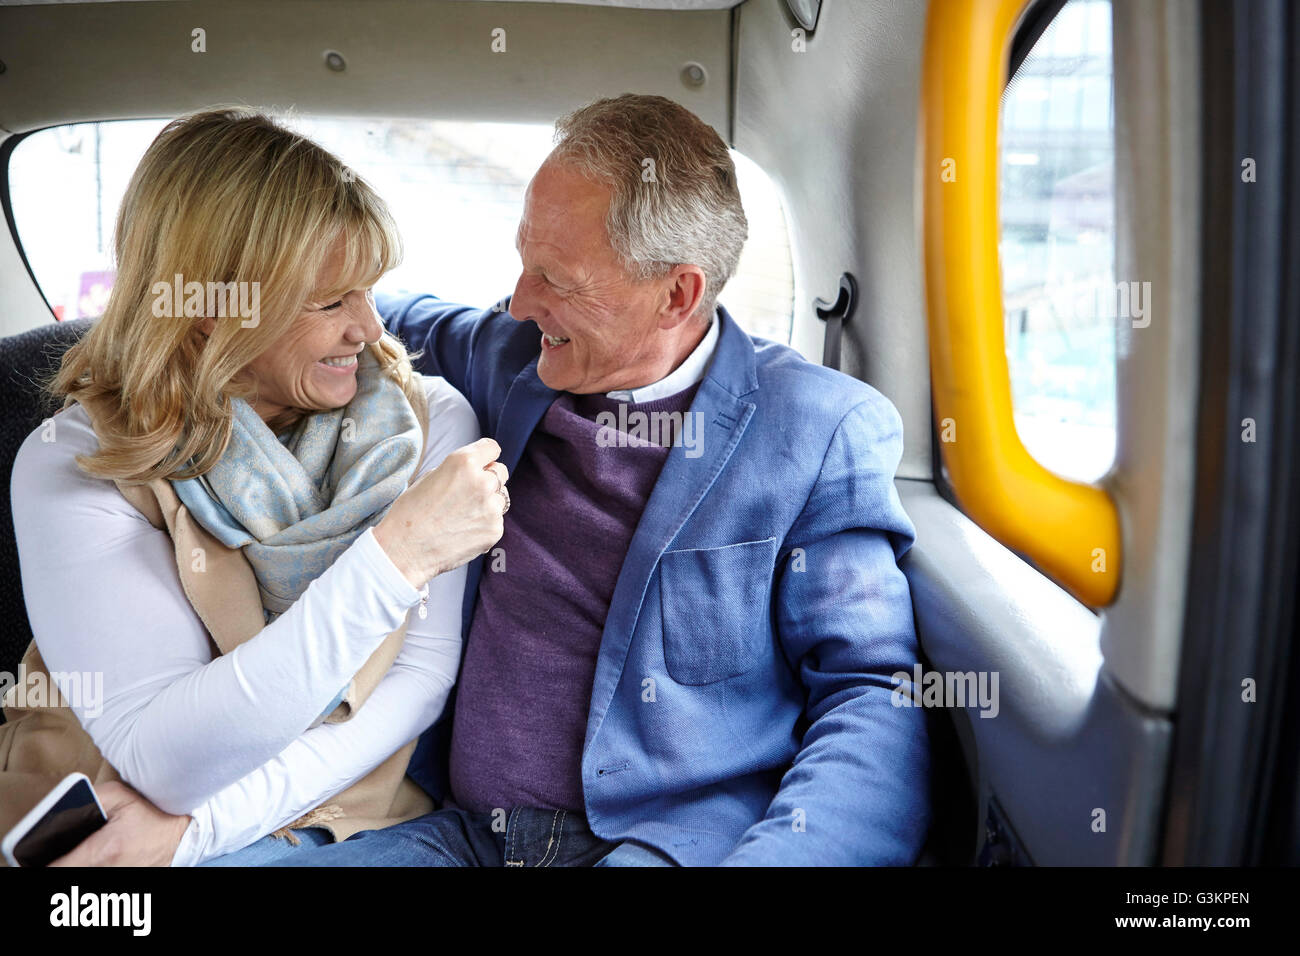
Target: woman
[{"x": 238, "y": 518}]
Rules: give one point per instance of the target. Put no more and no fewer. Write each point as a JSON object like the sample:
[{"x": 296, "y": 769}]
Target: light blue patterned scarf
[{"x": 294, "y": 503}]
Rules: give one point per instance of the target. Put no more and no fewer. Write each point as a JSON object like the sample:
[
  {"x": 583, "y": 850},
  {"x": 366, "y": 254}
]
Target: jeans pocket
[{"x": 715, "y": 605}]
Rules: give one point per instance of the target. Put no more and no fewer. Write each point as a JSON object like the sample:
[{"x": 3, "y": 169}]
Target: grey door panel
[{"x": 1063, "y": 741}]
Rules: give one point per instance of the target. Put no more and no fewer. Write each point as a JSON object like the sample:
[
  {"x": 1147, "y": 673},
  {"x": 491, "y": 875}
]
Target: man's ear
[{"x": 685, "y": 287}]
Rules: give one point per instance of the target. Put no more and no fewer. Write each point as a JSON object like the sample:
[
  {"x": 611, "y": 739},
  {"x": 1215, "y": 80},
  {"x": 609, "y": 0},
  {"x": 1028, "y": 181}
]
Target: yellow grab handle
[{"x": 1070, "y": 530}]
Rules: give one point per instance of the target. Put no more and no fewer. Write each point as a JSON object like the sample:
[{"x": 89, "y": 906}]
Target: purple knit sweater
[{"x": 525, "y": 686}]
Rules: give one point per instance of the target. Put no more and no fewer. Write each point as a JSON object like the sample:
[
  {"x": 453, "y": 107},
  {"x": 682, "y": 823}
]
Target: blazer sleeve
[
  {"x": 858, "y": 789},
  {"x": 442, "y": 334},
  {"x": 479, "y": 351}
]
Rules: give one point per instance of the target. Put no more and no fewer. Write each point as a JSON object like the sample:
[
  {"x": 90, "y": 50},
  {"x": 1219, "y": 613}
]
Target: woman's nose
[{"x": 364, "y": 324}]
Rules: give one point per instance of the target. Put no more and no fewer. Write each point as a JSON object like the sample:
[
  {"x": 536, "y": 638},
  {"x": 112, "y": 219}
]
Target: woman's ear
[{"x": 206, "y": 325}]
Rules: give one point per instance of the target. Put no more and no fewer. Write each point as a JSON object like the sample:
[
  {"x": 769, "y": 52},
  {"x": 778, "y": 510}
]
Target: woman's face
[{"x": 313, "y": 365}]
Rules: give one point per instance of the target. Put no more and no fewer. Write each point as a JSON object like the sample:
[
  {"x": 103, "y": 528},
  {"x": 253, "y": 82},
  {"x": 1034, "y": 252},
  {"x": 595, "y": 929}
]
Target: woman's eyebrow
[{"x": 320, "y": 295}]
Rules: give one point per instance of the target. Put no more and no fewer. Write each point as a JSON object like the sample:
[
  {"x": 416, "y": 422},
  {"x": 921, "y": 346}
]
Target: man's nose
[{"x": 523, "y": 307}]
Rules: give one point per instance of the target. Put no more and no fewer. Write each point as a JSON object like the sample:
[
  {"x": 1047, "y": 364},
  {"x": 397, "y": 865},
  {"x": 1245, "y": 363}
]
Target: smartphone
[{"x": 65, "y": 816}]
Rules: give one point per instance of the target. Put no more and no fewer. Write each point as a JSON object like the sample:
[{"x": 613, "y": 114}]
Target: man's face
[{"x": 601, "y": 329}]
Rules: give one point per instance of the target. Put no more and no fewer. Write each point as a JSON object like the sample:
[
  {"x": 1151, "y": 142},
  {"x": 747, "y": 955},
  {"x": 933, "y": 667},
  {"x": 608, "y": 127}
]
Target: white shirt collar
[{"x": 679, "y": 379}]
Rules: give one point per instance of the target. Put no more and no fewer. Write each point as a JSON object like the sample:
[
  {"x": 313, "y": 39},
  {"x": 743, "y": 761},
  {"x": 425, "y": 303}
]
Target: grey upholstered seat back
[{"x": 25, "y": 360}]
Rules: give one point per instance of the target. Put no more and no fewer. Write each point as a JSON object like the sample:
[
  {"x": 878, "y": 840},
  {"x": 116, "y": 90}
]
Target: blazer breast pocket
[{"x": 715, "y": 605}]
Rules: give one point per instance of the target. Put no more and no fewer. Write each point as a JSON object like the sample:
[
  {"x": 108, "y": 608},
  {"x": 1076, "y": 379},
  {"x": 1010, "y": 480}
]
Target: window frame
[{"x": 7, "y": 148}]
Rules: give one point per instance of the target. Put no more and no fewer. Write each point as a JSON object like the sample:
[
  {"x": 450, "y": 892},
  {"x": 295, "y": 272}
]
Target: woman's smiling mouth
[{"x": 344, "y": 364}]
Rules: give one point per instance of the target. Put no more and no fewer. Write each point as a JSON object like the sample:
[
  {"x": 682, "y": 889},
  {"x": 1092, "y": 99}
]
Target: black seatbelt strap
[{"x": 836, "y": 314}]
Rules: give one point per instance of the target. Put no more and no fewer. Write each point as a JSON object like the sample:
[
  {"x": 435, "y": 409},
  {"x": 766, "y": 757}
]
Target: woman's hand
[
  {"x": 137, "y": 833},
  {"x": 449, "y": 516}
]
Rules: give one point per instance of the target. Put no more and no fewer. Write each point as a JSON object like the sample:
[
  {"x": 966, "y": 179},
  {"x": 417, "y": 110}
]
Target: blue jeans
[
  {"x": 524, "y": 836},
  {"x": 262, "y": 852}
]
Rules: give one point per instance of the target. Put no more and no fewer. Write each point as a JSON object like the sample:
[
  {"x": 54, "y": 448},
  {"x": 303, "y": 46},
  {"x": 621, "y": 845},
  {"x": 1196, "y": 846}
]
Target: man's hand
[{"x": 137, "y": 833}]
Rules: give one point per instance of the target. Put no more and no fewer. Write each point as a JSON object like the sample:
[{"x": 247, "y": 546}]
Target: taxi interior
[{"x": 1140, "y": 619}]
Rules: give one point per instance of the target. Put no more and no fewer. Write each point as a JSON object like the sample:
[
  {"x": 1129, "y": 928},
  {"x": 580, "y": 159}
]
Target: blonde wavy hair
[{"x": 223, "y": 196}]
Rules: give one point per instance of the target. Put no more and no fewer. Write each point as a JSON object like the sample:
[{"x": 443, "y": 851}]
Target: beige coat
[{"x": 39, "y": 745}]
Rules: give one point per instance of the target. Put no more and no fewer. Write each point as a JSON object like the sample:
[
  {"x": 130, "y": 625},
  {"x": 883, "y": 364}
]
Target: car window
[
  {"x": 455, "y": 188},
  {"x": 1057, "y": 207}
]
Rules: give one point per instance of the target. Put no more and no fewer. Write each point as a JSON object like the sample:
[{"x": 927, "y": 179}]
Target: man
[
  {"x": 681, "y": 649},
  {"x": 677, "y": 653}
]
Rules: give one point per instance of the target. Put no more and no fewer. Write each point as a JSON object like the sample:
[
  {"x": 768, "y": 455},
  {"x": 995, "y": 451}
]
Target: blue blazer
[{"x": 742, "y": 709}]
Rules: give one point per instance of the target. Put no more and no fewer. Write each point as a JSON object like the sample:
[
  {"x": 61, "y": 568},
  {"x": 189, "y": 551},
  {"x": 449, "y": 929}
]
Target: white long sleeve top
[{"x": 224, "y": 740}]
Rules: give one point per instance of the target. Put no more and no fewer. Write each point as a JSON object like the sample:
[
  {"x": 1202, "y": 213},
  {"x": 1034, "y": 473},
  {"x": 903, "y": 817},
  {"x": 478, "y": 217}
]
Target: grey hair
[{"x": 675, "y": 199}]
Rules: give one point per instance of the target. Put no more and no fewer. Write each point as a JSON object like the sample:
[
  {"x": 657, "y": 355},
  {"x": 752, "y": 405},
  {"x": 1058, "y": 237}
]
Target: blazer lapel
[
  {"x": 526, "y": 402},
  {"x": 682, "y": 484}
]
